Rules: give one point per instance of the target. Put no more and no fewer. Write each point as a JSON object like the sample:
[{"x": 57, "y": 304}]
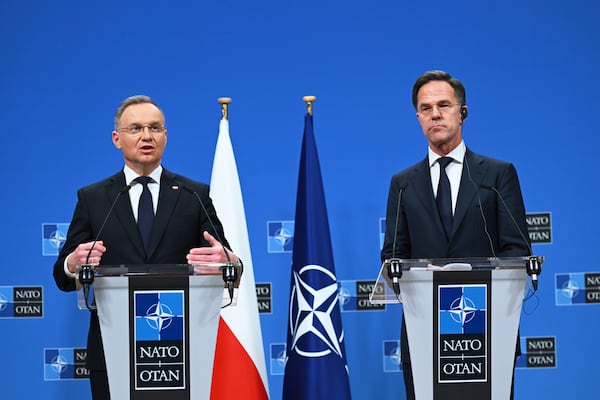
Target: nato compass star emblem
[
  {"x": 3, "y": 302},
  {"x": 282, "y": 236},
  {"x": 570, "y": 289},
  {"x": 462, "y": 310},
  {"x": 57, "y": 239},
  {"x": 314, "y": 333},
  {"x": 159, "y": 316},
  {"x": 59, "y": 364}
]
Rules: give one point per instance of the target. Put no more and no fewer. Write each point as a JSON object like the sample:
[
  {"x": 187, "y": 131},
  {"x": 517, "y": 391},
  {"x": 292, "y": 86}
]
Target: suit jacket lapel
[
  {"x": 424, "y": 190},
  {"x": 170, "y": 189},
  {"x": 473, "y": 171},
  {"x": 123, "y": 212}
]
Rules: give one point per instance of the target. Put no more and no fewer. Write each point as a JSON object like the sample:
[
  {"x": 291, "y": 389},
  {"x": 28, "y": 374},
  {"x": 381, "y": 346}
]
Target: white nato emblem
[
  {"x": 314, "y": 307},
  {"x": 159, "y": 316},
  {"x": 59, "y": 363},
  {"x": 282, "y": 236},
  {"x": 570, "y": 289},
  {"x": 344, "y": 296},
  {"x": 462, "y": 310},
  {"x": 3, "y": 302},
  {"x": 57, "y": 239}
]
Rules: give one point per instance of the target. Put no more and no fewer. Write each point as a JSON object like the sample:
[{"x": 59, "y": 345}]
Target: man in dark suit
[
  {"x": 179, "y": 232},
  {"x": 476, "y": 223}
]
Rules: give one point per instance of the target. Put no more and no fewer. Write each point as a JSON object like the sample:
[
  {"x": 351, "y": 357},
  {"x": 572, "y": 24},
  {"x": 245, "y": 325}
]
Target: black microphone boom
[
  {"x": 533, "y": 265},
  {"x": 86, "y": 273},
  {"x": 229, "y": 271},
  {"x": 394, "y": 268}
]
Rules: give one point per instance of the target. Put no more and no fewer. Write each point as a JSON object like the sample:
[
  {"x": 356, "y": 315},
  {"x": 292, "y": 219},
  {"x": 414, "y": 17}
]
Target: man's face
[
  {"x": 439, "y": 114},
  {"x": 143, "y": 150}
]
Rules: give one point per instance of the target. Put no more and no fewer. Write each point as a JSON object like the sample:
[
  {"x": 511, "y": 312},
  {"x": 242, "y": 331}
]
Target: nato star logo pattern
[
  {"x": 53, "y": 238},
  {"x": 280, "y": 236},
  {"x": 570, "y": 289},
  {"x": 392, "y": 361},
  {"x": 381, "y": 232},
  {"x": 314, "y": 332},
  {"x": 462, "y": 309},
  {"x": 277, "y": 358},
  {"x": 61, "y": 364},
  {"x": 159, "y": 315}
]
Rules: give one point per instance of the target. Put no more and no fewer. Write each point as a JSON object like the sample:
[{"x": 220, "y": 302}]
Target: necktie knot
[
  {"x": 144, "y": 180},
  {"x": 444, "y": 161}
]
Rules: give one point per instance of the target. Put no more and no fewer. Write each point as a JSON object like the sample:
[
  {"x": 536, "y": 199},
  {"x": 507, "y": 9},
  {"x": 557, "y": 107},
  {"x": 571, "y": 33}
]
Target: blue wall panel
[{"x": 530, "y": 69}]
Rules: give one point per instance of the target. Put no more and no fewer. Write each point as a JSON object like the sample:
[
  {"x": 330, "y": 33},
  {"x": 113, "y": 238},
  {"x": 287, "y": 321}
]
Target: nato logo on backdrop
[
  {"x": 65, "y": 364},
  {"x": 391, "y": 356},
  {"x": 53, "y": 238},
  {"x": 538, "y": 352},
  {"x": 577, "y": 288},
  {"x": 539, "y": 227},
  {"x": 280, "y": 236},
  {"x": 21, "y": 302},
  {"x": 354, "y": 296},
  {"x": 277, "y": 358},
  {"x": 264, "y": 298}
]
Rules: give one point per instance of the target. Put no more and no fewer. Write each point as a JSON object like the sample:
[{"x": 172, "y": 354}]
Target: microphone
[
  {"x": 86, "y": 273},
  {"x": 533, "y": 266},
  {"x": 394, "y": 269},
  {"x": 229, "y": 271}
]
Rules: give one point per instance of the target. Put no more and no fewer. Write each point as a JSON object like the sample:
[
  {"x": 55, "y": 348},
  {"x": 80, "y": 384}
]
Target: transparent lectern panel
[
  {"x": 391, "y": 271},
  {"x": 162, "y": 270}
]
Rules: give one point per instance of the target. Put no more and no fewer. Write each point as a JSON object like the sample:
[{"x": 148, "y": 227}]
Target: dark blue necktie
[
  {"x": 444, "y": 197},
  {"x": 145, "y": 211}
]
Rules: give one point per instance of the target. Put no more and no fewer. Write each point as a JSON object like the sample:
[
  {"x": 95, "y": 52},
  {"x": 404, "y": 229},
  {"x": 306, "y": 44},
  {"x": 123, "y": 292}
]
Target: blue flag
[{"x": 316, "y": 366}]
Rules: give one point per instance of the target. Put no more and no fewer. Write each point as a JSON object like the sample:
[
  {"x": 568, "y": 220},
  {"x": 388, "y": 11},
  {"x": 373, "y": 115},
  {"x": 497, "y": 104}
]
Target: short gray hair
[{"x": 137, "y": 99}]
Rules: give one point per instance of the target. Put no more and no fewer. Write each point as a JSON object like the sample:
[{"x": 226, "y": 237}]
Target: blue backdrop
[{"x": 531, "y": 73}]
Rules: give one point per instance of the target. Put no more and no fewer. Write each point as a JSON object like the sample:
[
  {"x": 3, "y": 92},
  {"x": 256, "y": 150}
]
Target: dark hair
[
  {"x": 137, "y": 99},
  {"x": 437, "y": 75}
]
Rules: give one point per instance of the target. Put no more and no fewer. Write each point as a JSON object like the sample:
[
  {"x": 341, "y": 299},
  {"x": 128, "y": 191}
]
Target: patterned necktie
[
  {"x": 444, "y": 197},
  {"x": 145, "y": 211}
]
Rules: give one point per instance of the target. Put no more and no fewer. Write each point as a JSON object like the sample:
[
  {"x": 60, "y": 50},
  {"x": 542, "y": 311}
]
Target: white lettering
[
  {"x": 540, "y": 345},
  {"x": 539, "y": 220},
  {"x": 159, "y": 352},
  {"x": 463, "y": 368},
  {"x": 28, "y": 294},
  {"x": 159, "y": 376},
  {"x": 462, "y": 345},
  {"x": 28, "y": 310}
]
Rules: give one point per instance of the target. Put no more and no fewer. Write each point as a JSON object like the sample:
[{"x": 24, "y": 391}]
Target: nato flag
[{"x": 316, "y": 366}]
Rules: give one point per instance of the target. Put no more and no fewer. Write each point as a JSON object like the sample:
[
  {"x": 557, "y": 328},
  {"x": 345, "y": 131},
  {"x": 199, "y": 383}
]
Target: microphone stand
[{"x": 86, "y": 278}]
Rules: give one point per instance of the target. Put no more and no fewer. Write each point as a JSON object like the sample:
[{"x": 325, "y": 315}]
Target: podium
[
  {"x": 159, "y": 328},
  {"x": 462, "y": 320}
]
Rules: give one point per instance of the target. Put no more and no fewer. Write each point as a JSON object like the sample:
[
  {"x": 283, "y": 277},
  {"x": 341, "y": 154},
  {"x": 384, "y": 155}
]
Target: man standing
[
  {"x": 154, "y": 220},
  {"x": 443, "y": 206}
]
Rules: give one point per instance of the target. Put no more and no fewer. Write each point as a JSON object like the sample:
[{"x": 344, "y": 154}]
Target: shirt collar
[
  {"x": 458, "y": 154},
  {"x": 131, "y": 175}
]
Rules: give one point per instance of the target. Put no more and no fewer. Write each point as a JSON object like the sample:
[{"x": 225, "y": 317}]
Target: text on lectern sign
[{"x": 159, "y": 339}]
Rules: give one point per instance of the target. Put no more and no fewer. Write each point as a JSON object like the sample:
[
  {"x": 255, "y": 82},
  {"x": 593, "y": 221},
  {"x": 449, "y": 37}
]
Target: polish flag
[{"x": 239, "y": 368}]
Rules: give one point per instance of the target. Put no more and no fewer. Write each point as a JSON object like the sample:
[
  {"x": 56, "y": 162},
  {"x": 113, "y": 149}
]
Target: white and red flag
[{"x": 239, "y": 367}]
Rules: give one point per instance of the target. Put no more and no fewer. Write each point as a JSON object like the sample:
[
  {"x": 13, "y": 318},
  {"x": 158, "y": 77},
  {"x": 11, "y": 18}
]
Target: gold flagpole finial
[
  {"x": 224, "y": 102},
  {"x": 309, "y": 100}
]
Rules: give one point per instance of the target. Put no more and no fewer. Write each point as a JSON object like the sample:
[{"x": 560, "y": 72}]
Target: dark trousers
[{"x": 99, "y": 385}]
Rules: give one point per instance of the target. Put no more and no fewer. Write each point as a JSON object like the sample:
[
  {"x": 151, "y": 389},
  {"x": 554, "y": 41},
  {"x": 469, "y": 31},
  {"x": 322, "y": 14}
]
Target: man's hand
[
  {"x": 80, "y": 255},
  {"x": 213, "y": 254}
]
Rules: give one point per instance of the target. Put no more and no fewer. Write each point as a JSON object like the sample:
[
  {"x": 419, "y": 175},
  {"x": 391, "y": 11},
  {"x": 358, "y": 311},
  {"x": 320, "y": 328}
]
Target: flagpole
[
  {"x": 309, "y": 100},
  {"x": 224, "y": 102}
]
